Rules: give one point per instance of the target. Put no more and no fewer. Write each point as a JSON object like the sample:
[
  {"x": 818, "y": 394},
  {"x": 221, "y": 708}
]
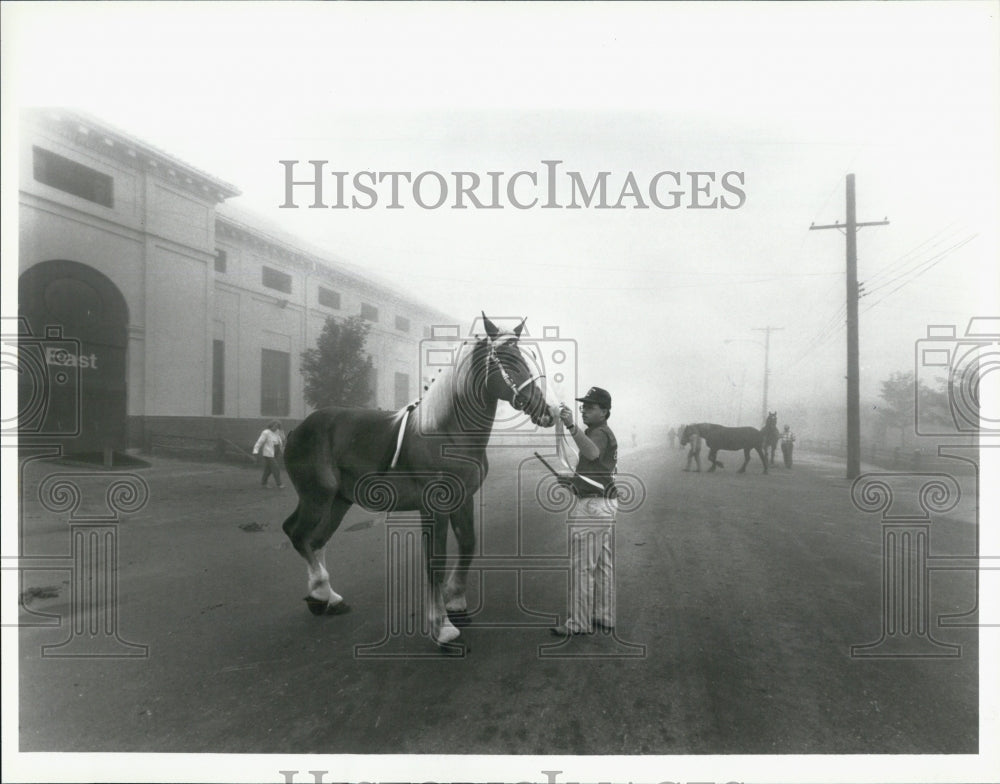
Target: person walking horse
[
  {"x": 592, "y": 573},
  {"x": 694, "y": 450}
]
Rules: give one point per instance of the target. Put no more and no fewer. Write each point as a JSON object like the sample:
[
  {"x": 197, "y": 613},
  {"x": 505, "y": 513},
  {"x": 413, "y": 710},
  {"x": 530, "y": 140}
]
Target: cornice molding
[{"x": 99, "y": 137}]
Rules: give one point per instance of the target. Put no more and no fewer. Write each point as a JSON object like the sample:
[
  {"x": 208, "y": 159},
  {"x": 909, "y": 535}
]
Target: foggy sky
[{"x": 901, "y": 95}]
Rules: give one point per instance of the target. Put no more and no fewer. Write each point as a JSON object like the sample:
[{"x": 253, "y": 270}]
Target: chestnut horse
[{"x": 432, "y": 462}]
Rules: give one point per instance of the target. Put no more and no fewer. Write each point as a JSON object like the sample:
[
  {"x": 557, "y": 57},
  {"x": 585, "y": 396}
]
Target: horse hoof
[
  {"x": 459, "y": 619},
  {"x": 323, "y": 607},
  {"x": 447, "y": 634},
  {"x": 316, "y": 606}
]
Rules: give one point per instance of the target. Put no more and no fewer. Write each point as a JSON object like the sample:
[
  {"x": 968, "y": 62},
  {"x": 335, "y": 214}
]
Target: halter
[
  {"x": 515, "y": 389},
  {"x": 493, "y": 357}
]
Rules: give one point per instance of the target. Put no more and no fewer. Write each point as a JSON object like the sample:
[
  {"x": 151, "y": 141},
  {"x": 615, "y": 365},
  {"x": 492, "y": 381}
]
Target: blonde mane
[{"x": 437, "y": 406}]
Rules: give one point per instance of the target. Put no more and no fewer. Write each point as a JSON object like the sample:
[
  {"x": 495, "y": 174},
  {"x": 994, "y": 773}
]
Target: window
[
  {"x": 220, "y": 260},
  {"x": 369, "y": 312},
  {"x": 218, "y": 377},
  {"x": 279, "y": 281},
  {"x": 329, "y": 298},
  {"x": 274, "y": 380},
  {"x": 72, "y": 177},
  {"x": 402, "y": 324},
  {"x": 402, "y": 389}
]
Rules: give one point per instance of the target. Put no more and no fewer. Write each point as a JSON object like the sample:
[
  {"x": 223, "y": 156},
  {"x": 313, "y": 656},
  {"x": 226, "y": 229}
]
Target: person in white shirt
[
  {"x": 270, "y": 444},
  {"x": 787, "y": 444}
]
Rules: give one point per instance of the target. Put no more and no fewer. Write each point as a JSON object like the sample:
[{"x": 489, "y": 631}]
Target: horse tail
[{"x": 309, "y": 456}]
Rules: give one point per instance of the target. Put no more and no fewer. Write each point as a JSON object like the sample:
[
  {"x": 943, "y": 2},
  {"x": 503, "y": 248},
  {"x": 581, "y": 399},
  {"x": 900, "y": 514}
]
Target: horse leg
[
  {"x": 442, "y": 629},
  {"x": 711, "y": 458},
  {"x": 462, "y": 523},
  {"x": 762, "y": 458},
  {"x": 310, "y": 527}
]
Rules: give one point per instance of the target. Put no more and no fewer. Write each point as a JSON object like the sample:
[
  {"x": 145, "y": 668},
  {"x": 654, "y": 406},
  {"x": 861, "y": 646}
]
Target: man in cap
[{"x": 592, "y": 598}]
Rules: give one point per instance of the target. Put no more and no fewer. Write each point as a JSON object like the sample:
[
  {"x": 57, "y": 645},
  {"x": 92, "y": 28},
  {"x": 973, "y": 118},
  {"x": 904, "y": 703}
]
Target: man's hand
[{"x": 566, "y": 415}]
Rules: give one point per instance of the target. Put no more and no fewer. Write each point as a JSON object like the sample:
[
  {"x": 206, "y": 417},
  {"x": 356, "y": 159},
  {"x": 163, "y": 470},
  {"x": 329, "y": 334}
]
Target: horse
[
  {"x": 387, "y": 461},
  {"x": 727, "y": 438},
  {"x": 771, "y": 435}
]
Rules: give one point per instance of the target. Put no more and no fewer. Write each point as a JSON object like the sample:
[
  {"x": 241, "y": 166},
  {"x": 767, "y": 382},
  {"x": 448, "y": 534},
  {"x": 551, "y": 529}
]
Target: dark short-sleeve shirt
[{"x": 602, "y": 468}]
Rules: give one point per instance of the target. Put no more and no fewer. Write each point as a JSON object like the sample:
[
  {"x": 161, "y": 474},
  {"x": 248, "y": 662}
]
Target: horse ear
[
  {"x": 519, "y": 327},
  {"x": 491, "y": 328}
]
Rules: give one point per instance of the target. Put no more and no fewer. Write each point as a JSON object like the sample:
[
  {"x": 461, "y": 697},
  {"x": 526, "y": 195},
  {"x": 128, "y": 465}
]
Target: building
[{"x": 149, "y": 306}]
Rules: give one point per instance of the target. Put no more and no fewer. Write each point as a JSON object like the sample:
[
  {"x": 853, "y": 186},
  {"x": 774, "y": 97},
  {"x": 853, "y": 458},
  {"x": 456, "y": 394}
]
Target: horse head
[
  {"x": 512, "y": 376},
  {"x": 686, "y": 434}
]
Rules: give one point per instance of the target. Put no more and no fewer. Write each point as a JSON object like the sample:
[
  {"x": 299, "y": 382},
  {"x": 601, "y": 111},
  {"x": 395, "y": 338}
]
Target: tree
[
  {"x": 897, "y": 392},
  {"x": 338, "y": 372},
  {"x": 899, "y": 412}
]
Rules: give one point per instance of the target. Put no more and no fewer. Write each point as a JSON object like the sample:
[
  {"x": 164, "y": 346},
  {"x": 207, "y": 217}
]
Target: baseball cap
[{"x": 597, "y": 395}]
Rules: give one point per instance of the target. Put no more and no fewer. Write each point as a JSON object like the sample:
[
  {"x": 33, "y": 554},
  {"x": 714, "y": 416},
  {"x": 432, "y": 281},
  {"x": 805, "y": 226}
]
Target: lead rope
[{"x": 561, "y": 453}]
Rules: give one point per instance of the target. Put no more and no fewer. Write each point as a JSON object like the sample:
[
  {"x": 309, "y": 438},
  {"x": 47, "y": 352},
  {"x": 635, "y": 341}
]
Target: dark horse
[
  {"x": 432, "y": 461},
  {"x": 727, "y": 439},
  {"x": 771, "y": 436}
]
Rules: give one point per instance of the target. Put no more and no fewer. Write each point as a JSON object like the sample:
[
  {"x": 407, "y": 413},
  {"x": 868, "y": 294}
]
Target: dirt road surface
[{"x": 739, "y": 598}]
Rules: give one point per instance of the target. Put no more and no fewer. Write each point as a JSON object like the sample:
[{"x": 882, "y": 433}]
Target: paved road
[{"x": 745, "y": 593}]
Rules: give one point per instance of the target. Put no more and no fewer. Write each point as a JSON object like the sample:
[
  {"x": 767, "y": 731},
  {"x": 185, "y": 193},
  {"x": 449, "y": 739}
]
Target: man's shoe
[{"x": 563, "y": 631}]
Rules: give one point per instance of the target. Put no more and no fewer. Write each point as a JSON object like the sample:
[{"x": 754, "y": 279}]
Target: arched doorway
[{"x": 78, "y": 320}]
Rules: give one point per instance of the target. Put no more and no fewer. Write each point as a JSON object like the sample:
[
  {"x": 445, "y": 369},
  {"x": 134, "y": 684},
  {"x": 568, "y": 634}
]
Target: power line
[{"x": 928, "y": 265}]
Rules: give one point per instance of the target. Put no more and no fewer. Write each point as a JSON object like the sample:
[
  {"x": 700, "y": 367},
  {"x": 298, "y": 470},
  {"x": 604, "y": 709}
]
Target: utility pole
[
  {"x": 767, "y": 350},
  {"x": 850, "y": 229}
]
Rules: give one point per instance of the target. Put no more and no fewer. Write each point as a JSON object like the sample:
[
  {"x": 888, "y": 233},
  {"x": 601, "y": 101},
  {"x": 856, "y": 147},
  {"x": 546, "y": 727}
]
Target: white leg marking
[
  {"x": 319, "y": 580},
  {"x": 442, "y": 629},
  {"x": 455, "y": 594}
]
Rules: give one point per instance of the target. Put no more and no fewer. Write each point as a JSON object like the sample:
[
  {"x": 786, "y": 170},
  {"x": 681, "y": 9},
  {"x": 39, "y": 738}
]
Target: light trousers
[{"x": 592, "y": 568}]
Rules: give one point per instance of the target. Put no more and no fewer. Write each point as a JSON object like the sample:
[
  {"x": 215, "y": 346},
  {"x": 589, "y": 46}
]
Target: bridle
[{"x": 515, "y": 389}]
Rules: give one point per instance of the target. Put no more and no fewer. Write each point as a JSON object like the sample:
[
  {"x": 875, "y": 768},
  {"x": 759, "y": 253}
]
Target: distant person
[
  {"x": 633, "y": 438},
  {"x": 672, "y": 435},
  {"x": 787, "y": 444},
  {"x": 694, "y": 450},
  {"x": 270, "y": 445}
]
